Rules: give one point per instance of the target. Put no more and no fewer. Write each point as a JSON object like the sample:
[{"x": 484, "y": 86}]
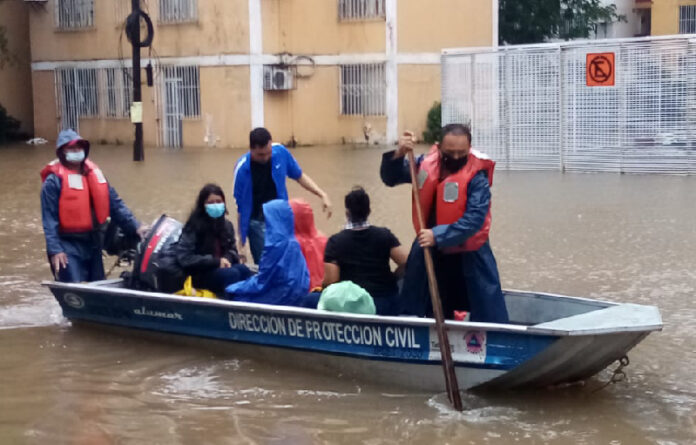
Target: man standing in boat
[
  {"x": 76, "y": 204},
  {"x": 259, "y": 177},
  {"x": 454, "y": 186}
]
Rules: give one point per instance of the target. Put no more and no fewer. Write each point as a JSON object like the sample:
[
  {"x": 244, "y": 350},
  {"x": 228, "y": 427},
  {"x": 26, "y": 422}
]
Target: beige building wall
[
  {"x": 665, "y": 16},
  {"x": 15, "y": 74},
  {"x": 222, "y": 28},
  {"x": 312, "y": 27},
  {"x": 46, "y": 117},
  {"x": 311, "y": 113},
  {"x": 220, "y": 42},
  {"x": 432, "y": 26},
  {"x": 225, "y": 108},
  {"x": 419, "y": 88}
]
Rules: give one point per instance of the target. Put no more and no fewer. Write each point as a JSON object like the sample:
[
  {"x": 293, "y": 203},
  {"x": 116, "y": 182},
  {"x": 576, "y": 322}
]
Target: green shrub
[
  {"x": 9, "y": 127},
  {"x": 433, "y": 126}
]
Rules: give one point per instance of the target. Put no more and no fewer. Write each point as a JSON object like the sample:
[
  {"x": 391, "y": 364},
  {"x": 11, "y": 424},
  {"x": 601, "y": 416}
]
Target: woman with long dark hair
[{"x": 207, "y": 249}]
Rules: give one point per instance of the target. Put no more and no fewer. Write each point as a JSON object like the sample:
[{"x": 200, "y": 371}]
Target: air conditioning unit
[{"x": 278, "y": 78}]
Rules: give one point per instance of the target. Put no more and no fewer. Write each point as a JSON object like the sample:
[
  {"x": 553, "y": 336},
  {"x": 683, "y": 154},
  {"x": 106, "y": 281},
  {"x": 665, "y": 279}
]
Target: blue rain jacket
[
  {"x": 477, "y": 273},
  {"x": 283, "y": 165},
  {"x": 283, "y": 278}
]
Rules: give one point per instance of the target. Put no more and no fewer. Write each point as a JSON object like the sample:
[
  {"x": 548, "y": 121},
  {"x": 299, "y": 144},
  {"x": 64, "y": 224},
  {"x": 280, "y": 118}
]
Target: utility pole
[{"x": 137, "y": 107}]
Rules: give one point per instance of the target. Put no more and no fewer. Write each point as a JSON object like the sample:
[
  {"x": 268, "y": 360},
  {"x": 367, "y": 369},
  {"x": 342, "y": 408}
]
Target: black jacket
[{"x": 195, "y": 251}]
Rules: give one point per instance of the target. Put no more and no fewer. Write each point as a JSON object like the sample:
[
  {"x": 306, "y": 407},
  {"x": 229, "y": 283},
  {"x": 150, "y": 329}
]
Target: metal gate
[
  {"x": 173, "y": 114},
  {"x": 67, "y": 93},
  {"x": 531, "y": 107}
]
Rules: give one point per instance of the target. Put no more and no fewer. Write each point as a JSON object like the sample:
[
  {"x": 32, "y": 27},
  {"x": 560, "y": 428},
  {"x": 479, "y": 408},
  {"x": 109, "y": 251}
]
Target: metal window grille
[
  {"x": 178, "y": 11},
  {"x": 530, "y": 106},
  {"x": 117, "y": 92},
  {"x": 360, "y": 9},
  {"x": 74, "y": 14},
  {"x": 87, "y": 96},
  {"x": 687, "y": 19},
  {"x": 363, "y": 89},
  {"x": 95, "y": 92},
  {"x": 186, "y": 83}
]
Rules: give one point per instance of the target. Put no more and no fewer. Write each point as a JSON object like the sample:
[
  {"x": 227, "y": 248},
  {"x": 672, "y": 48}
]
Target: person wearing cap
[
  {"x": 259, "y": 177},
  {"x": 76, "y": 203}
]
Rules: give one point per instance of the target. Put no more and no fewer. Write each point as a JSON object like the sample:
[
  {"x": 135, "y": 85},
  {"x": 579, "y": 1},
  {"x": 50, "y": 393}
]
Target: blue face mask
[
  {"x": 215, "y": 210},
  {"x": 75, "y": 156}
]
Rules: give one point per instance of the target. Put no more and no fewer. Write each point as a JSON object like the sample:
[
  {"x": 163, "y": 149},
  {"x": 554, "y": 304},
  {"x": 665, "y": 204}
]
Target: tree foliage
[
  {"x": 536, "y": 21},
  {"x": 433, "y": 125},
  {"x": 9, "y": 127}
]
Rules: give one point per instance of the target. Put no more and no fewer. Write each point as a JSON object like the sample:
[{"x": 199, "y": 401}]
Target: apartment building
[{"x": 312, "y": 71}]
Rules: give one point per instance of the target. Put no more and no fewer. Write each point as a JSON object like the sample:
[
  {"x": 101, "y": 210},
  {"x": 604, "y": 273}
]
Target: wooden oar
[{"x": 445, "y": 350}]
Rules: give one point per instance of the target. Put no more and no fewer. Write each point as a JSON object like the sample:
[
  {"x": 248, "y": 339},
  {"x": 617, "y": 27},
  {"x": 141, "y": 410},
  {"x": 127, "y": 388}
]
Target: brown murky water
[{"x": 622, "y": 238}]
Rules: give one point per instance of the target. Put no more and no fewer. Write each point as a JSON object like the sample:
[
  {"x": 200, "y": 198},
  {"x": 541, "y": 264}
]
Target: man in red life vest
[
  {"x": 76, "y": 203},
  {"x": 454, "y": 186}
]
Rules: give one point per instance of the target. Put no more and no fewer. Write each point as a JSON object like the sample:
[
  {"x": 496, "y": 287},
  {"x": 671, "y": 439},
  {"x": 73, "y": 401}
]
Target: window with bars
[
  {"x": 118, "y": 90},
  {"x": 360, "y": 9},
  {"x": 687, "y": 19},
  {"x": 74, "y": 14},
  {"x": 182, "y": 90},
  {"x": 86, "y": 92},
  {"x": 178, "y": 11},
  {"x": 363, "y": 89}
]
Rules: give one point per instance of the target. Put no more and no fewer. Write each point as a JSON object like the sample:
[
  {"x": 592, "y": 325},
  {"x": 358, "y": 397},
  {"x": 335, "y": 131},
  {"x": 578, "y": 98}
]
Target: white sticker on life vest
[
  {"x": 100, "y": 176},
  {"x": 75, "y": 182},
  {"x": 451, "y": 192},
  {"x": 422, "y": 176}
]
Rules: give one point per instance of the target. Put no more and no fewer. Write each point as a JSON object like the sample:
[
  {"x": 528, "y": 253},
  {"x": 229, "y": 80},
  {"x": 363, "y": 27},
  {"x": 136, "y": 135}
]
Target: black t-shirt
[
  {"x": 363, "y": 257},
  {"x": 263, "y": 188}
]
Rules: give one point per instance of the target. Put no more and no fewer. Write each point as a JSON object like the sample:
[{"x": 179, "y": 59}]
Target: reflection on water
[{"x": 614, "y": 237}]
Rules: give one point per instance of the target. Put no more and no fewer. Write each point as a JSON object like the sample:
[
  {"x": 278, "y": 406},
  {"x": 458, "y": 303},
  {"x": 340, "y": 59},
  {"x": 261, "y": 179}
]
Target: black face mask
[{"x": 453, "y": 165}]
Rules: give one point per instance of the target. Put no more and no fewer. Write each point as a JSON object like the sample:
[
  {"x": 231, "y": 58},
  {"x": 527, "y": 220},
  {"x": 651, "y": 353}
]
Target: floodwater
[{"x": 615, "y": 237}]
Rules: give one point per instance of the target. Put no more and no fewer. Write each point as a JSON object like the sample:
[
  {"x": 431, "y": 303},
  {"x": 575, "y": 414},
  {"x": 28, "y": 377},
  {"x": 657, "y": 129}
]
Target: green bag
[{"x": 346, "y": 296}]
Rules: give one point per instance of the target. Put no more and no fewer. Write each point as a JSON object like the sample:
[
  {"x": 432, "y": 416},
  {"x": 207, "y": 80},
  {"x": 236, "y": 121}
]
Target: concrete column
[
  {"x": 256, "y": 63},
  {"x": 392, "y": 72}
]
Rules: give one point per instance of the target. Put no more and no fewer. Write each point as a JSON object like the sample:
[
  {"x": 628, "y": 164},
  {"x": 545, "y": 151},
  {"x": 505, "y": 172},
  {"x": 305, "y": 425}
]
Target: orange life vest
[
  {"x": 79, "y": 195},
  {"x": 449, "y": 195}
]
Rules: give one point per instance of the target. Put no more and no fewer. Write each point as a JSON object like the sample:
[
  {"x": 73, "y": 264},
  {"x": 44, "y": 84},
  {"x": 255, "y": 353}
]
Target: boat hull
[{"x": 401, "y": 351}]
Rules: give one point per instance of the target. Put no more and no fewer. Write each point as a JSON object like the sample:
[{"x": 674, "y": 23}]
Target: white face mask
[{"x": 75, "y": 156}]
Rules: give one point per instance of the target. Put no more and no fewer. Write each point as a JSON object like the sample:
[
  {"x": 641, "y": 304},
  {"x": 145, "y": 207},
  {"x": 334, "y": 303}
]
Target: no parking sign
[{"x": 600, "y": 70}]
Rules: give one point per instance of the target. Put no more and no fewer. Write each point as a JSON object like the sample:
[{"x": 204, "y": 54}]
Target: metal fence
[{"x": 530, "y": 107}]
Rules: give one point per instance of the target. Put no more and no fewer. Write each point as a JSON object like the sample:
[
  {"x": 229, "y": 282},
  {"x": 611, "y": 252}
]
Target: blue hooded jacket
[
  {"x": 283, "y": 165},
  {"x": 283, "y": 278}
]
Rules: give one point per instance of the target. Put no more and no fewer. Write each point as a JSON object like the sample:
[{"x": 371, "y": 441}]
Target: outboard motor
[{"x": 155, "y": 267}]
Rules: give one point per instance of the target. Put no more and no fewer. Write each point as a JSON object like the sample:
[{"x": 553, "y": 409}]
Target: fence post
[
  {"x": 472, "y": 117},
  {"x": 561, "y": 114},
  {"x": 622, "y": 109},
  {"x": 506, "y": 111}
]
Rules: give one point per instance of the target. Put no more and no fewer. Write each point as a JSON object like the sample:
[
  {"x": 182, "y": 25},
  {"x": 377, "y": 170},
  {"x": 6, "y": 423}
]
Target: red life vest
[
  {"x": 79, "y": 194},
  {"x": 449, "y": 195}
]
